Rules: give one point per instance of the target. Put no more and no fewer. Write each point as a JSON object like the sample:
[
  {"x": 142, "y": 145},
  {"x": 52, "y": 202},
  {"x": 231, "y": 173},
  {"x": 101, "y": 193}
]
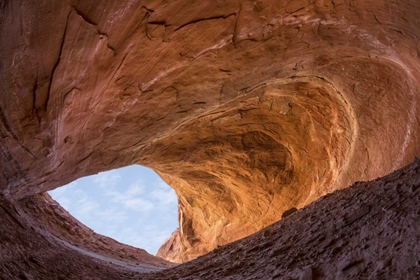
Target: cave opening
[{"x": 132, "y": 205}]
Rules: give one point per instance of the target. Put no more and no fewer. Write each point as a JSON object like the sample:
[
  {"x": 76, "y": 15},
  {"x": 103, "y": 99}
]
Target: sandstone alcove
[{"x": 247, "y": 109}]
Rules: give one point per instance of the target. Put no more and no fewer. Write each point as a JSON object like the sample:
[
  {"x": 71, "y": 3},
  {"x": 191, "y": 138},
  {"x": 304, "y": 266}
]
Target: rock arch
[{"x": 245, "y": 108}]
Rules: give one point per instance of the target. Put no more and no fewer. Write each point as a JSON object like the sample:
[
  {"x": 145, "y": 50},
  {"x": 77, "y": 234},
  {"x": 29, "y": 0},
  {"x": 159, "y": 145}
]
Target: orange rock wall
[{"x": 246, "y": 108}]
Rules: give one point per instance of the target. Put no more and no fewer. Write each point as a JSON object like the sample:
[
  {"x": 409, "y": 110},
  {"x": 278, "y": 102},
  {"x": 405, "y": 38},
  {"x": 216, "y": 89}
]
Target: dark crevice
[{"x": 57, "y": 62}]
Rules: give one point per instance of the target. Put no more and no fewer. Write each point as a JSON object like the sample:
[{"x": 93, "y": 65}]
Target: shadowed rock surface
[
  {"x": 248, "y": 109},
  {"x": 367, "y": 231}
]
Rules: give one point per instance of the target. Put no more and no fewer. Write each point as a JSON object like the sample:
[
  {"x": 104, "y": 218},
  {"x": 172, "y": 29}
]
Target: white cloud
[
  {"x": 164, "y": 197},
  {"x": 78, "y": 193},
  {"x": 107, "y": 179},
  {"x": 135, "y": 189},
  {"x": 137, "y": 233},
  {"x": 118, "y": 204},
  {"x": 164, "y": 194},
  {"x": 86, "y": 205},
  {"x": 131, "y": 199},
  {"x": 65, "y": 203},
  {"x": 138, "y": 204},
  {"x": 112, "y": 215},
  {"x": 62, "y": 195},
  {"x": 115, "y": 196},
  {"x": 148, "y": 239}
]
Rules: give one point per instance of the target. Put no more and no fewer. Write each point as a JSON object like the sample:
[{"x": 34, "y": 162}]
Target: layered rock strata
[
  {"x": 246, "y": 108},
  {"x": 367, "y": 231}
]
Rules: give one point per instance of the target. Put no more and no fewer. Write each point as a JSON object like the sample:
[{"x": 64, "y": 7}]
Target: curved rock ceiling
[{"x": 246, "y": 108}]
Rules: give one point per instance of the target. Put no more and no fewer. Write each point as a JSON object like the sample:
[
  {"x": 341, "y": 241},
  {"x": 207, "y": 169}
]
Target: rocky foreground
[{"x": 367, "y": 231}]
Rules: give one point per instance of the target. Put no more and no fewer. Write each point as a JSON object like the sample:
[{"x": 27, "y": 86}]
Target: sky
[{"x": 132, "y": 205}]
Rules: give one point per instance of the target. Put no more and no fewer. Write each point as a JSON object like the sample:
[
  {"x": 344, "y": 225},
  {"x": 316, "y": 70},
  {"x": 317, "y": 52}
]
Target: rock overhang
[{"x": 246, "y": 110}]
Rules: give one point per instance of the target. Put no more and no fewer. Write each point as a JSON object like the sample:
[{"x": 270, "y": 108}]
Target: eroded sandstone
[
  {"x": 367, "y": 231},
  {"x": 246, "y": 108}
]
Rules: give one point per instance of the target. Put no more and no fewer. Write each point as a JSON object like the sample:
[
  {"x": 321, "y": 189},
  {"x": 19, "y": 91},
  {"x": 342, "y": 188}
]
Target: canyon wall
[{"x": 246, "y": 108}]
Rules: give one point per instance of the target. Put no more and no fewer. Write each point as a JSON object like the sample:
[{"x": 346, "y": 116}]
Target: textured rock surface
[
  {"x": 51, "y": 218},
  {"x": 246, "y": 108},
  {"x": 39, "y": 247},
  {"x": 368, "y": 231}
]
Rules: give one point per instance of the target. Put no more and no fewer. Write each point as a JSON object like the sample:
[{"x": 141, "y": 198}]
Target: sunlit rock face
[{"x": 246, "y": 108}]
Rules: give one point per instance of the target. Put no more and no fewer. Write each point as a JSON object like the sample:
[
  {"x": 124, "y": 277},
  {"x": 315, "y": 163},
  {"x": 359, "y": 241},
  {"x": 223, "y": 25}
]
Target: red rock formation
[
  {"x": 368, "y": 231},
  {"x": 246, "y": 108}
]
